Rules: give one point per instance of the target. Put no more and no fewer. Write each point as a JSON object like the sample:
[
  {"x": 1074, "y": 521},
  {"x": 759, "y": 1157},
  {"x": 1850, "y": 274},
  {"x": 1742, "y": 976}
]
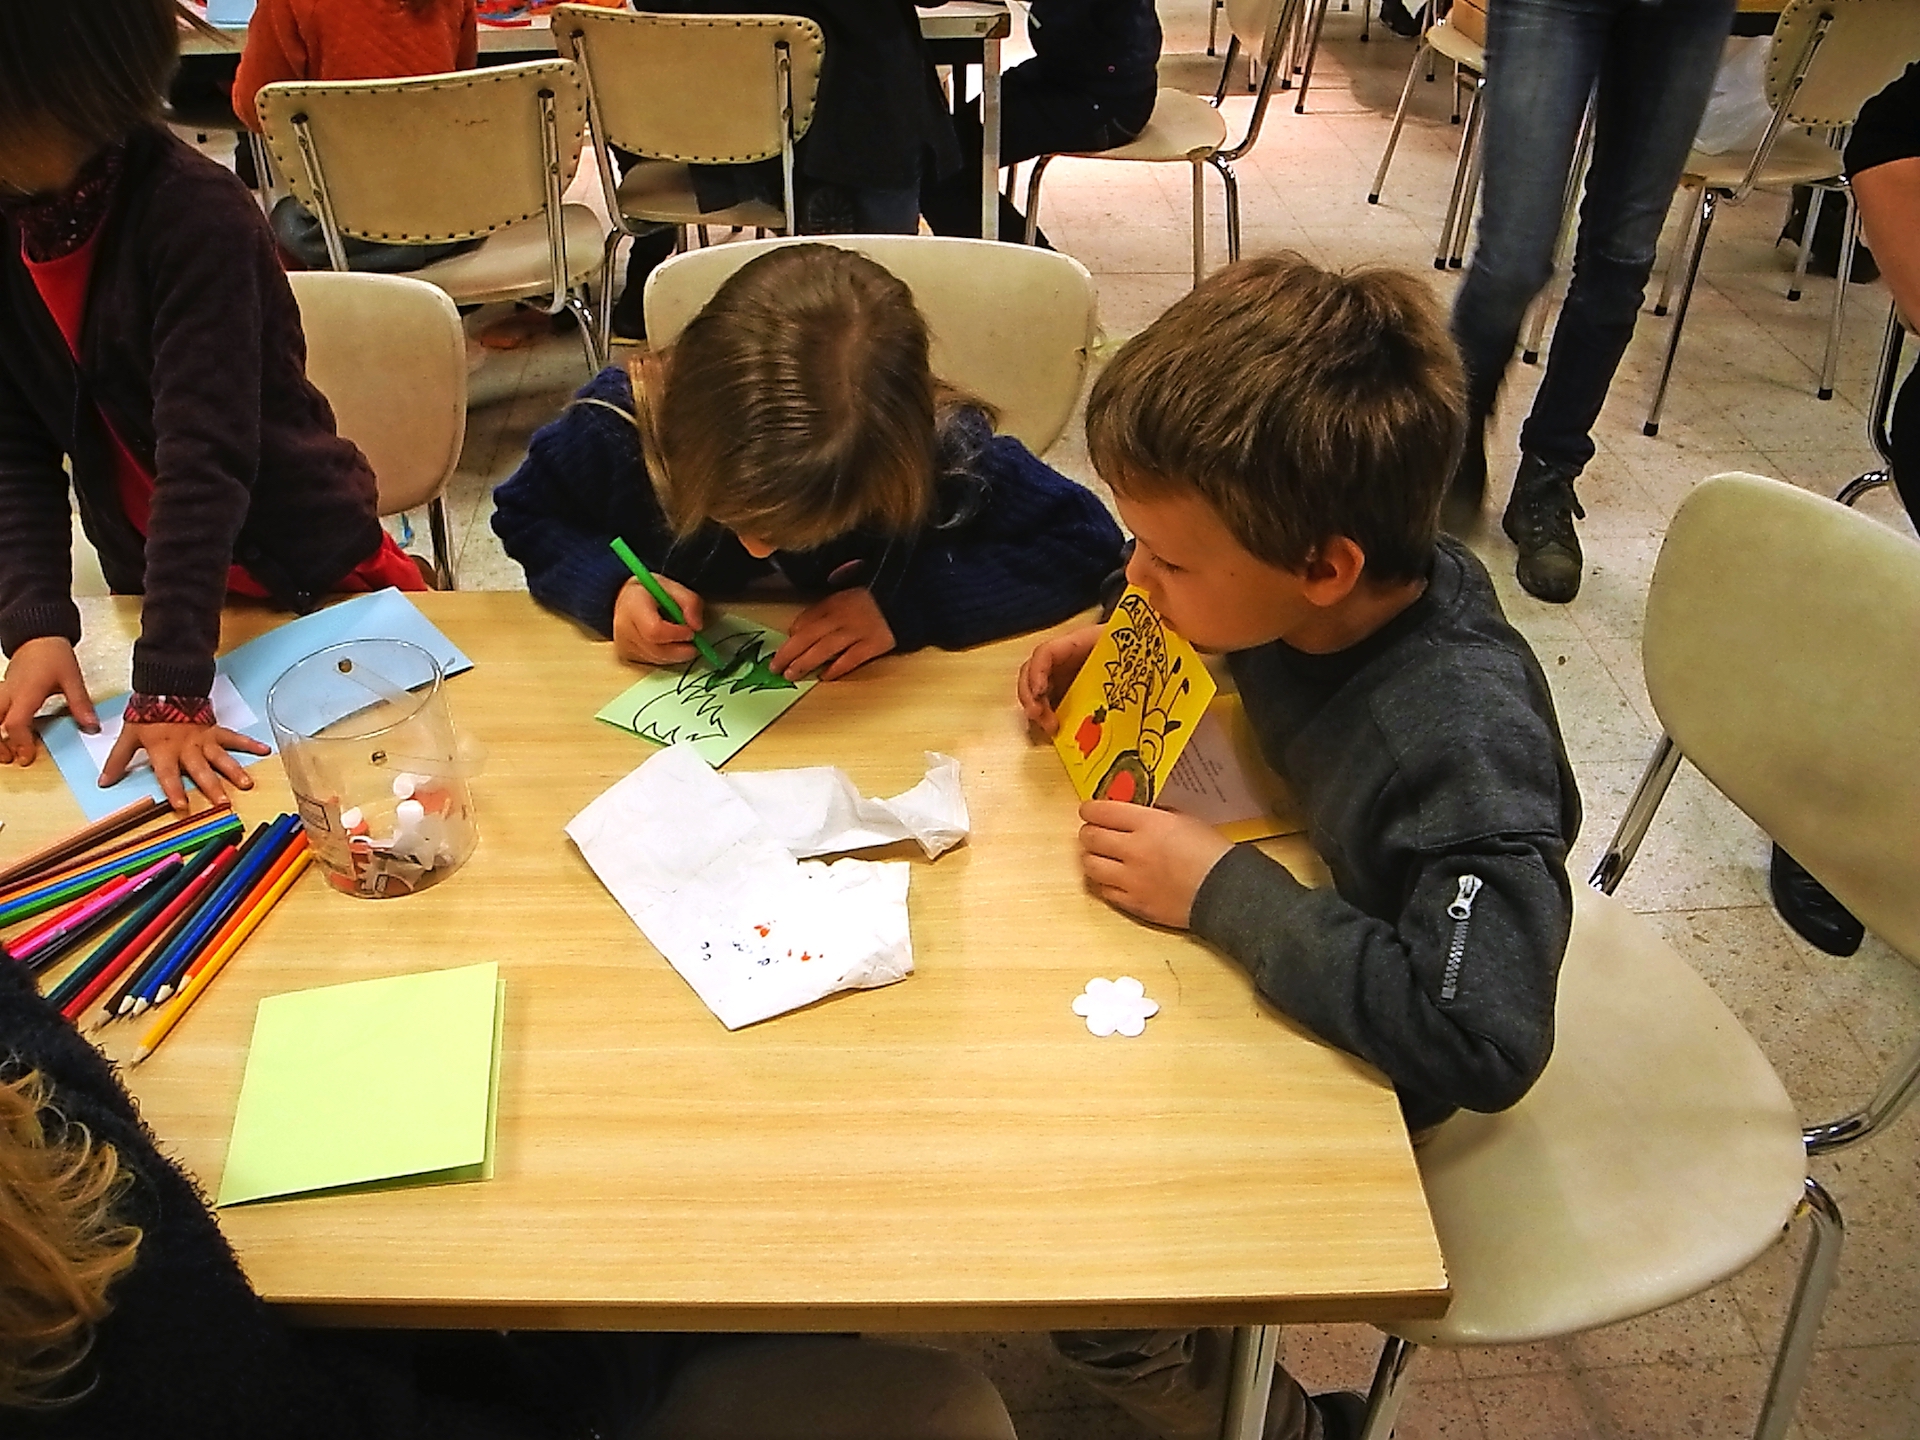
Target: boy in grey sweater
[{"x": 1278, "y": 443}]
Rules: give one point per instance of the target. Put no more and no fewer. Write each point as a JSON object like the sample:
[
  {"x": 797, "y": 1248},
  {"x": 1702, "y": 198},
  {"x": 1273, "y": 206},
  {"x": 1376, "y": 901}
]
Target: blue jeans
[{"x": 1650, "y": 64}]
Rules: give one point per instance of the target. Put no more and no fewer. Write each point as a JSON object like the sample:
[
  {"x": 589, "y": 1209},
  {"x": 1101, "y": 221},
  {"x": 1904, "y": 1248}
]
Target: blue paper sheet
[
  {"x": 229, "y": 12},
  {"x": 253, "y": 667}
]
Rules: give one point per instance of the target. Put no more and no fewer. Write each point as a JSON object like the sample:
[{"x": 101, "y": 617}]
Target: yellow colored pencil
[{"x": 181, "y": 1002}]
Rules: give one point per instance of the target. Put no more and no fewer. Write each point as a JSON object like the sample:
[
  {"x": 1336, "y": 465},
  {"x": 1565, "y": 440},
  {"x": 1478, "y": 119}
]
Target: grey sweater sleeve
[
  {"x": 1452, "y": 999},
  {"x": 1440, "y": 961}
]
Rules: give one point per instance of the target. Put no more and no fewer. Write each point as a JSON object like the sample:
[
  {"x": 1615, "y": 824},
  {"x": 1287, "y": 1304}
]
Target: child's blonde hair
[
  {"x": 798, "y": 405},
  {"x": 61, "y": 1245}
]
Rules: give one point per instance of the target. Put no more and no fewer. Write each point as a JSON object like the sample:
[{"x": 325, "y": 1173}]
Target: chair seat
[
  {"x": 1458, "y": 48},
  {"x": 1182, "y": 127},
  {"x": 662, "y": 191},
  {"x": 1657, "y": 1155},
  {"x": 1797, "y": 159},
  {"x": 514, "y": 263}
]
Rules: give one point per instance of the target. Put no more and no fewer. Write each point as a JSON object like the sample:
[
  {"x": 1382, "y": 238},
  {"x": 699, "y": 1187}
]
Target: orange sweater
[{"x": 351, "y": 40}]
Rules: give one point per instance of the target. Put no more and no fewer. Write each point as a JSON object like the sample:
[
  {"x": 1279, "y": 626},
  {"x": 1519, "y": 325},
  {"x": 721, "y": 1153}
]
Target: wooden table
[
  {"x": 952, "y": 1152},
  {"x": 959, "y": 33}
]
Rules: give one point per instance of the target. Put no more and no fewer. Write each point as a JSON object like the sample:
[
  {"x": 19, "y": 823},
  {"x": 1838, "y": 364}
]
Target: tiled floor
[{"x": 1743, "y": 400}]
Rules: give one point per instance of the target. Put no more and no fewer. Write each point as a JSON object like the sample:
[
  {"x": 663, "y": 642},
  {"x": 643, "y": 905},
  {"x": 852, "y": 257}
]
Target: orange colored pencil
[
  {"x": 181, "y": 1003},
  {"x": 295, "y": 847}
]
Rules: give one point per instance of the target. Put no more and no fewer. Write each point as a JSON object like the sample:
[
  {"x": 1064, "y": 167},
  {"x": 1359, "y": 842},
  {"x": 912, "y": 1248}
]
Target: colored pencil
[
  {"x": 38, "y": 901},
  {"x": 114, "y": 851},
  {"x": 48, "y": 856},
  {"x": 150, "y": 946},
  {"x": 665, "y": 601},
  {"x": 168, "y": 1018},
  {"x": 190, "y": 927},
  {"x": 102, "y": 905},
  {"x": 282, "y": 860},
  {"x": 151, "y": 916},
  {"x": 260, "y": 853},
  {"x": 118, "y": 962}
]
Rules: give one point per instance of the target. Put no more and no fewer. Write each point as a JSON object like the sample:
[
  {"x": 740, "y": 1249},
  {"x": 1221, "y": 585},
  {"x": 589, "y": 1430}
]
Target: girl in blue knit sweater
[{"x": 796, "y": 428}]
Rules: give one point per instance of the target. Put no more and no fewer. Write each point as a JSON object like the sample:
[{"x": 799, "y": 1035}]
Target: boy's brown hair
[
  {"x": 1300, "y": 404},
  {"x": 93, "y": 69},
  {"x": 798, "y": 405}
]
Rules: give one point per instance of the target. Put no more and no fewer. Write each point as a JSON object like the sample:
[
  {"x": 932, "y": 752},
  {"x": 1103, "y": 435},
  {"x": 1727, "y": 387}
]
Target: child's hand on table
[
  {"x": 1147, "y": 862},
  {"x": 39, "y": 669},
  {"x": 180, "y": 752},
  {"x": 641, "y": 633},
  {"x": 1043, "y": 680},
  {"x": 842, "y": 632}
]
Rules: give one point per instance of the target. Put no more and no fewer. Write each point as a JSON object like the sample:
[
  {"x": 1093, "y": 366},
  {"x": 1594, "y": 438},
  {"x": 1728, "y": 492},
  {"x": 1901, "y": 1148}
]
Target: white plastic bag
[{"x": 1738, "y": 112}]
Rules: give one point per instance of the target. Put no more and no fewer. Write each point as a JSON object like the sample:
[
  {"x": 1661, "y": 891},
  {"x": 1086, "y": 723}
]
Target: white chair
[
  {"x": 1469, "y": 57},
  {"x": 1011, "y": 324},
  {"x": 1659, "y": 1155},
  {"x": 1187, "y": 129},
  {"x": 680, "y": 90},
  {"x": 389, "y": 354},
  {"x": 442, "y": 158},
  {"x": 1827, "y": 59}
]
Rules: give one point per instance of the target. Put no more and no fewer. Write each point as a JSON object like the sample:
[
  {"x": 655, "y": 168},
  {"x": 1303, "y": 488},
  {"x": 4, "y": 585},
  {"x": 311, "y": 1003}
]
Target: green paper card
[
  {"x": 714, "y": 711},
  {"x": 368, "y": 1084}
]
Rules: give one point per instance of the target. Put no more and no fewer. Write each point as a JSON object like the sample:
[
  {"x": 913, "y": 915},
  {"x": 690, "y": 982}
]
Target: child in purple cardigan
[{"x": 796, "y": 427}]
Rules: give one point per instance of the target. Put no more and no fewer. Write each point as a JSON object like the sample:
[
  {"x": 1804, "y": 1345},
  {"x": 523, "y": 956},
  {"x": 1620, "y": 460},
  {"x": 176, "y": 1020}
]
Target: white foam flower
[{"x": 1115, "y": 1006}]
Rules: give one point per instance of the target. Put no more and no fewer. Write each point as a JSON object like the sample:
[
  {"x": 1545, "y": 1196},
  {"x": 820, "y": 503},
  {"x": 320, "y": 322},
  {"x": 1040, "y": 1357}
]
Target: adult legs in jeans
[
  {"x": 1037, "y": 117},
  {"x": 1650, "y": 68},
  {"x": 1175, "y": 1382}
]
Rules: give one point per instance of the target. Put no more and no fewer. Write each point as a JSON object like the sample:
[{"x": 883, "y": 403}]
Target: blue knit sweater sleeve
[
  {"x": 558, "y": 513},
  {"x": 1032, "y": 552}
]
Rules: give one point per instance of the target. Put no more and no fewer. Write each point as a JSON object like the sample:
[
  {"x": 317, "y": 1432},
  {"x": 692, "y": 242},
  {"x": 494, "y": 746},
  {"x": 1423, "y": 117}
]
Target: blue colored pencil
[
  {"x": 251, "y": 867},
  {"x": 123, "y": 997}
]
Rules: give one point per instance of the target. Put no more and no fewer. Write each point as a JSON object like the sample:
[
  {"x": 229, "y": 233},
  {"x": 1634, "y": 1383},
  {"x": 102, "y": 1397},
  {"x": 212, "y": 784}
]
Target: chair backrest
[
  {"x": 700, "y": 89},
  {"x": 433, "y": 158},
  {"x": 389, "y": 354},
  {"x": 1254, "y": 24},
  {"x": 1782, "y": 654},
  {"x": 1011, "y": 323},
  {"x": 1866, "y": 44}
]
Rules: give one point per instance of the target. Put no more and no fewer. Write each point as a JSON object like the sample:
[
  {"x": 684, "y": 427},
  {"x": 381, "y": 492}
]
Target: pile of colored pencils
[{"x": 180, "y": 898}]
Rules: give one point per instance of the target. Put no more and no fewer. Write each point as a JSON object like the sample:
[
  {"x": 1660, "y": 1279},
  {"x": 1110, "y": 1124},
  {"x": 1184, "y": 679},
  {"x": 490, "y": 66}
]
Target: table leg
[
  {"x": 1256, "y": 1350},
  {"x": 990, "y": 139}
]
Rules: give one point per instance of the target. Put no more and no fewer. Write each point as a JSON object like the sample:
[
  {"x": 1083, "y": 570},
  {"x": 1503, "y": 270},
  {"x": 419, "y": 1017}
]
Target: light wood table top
[{"x": 952, "y": 1152}]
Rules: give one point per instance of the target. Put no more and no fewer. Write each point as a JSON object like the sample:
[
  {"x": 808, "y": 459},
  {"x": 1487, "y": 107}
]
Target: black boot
[
  {"x": 1395, "y": 16},
  {"x": 1809, "y": 907},
  {"x": 629, "y": 318},
  {"x": 1539, "y": 520},
  {"x": 1467, "y": 491}
]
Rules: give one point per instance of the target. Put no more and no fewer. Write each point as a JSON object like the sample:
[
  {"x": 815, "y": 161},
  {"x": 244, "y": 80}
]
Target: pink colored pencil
[{"x": 84, "y": 914}]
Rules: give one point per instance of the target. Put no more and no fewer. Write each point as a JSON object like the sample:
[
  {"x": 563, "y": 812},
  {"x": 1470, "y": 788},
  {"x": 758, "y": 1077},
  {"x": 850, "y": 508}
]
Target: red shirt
[{"x": 62, "y": 284}]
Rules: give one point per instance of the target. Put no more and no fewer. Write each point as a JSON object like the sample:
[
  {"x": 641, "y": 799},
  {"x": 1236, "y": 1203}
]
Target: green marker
[{"x": 665, "y": 601}]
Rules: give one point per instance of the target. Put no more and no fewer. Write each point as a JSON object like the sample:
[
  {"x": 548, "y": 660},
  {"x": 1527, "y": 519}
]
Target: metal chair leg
[
  {"x": 1817, "y": 1272},
  {"x": 1393, "y": 135},
  {"x": 1383, "y": 1400},
  {"x": 1849, "y": 237},
  {"x": 1677, "y": 261},
  {"x": 1213, "y": 24},
  {"x": 1463, "y": 162},
  {"x": 583, "y": 319},
  {"x": 1313, "y": 49},
  {"x": 1642, "y": 805},
  {"x": 1807, "y": 227},
  {"x": 442, "y": 543},
  {"x": 1463, "y": 223},
  {"x": 1231, "y": 184},
  {"x": 1366, "y": 19},
  {"x": 1033, "y": 196},
  {"x": 1709, "y": 202},
  {"x": 1226, "y": 70},
  {"x": 1199, "y": 221}
]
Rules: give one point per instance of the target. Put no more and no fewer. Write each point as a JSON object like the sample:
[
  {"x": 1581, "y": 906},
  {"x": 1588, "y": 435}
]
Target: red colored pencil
[{"x": 296, "y": 843}]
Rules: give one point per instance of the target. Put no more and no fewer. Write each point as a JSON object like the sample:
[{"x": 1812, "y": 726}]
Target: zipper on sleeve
[{"x": 1460, "y": 911}]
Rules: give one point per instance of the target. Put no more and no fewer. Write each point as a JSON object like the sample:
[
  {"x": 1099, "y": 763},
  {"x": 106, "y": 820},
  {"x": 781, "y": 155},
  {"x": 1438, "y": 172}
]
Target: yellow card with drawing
[{"x": 1132, "y": 708}]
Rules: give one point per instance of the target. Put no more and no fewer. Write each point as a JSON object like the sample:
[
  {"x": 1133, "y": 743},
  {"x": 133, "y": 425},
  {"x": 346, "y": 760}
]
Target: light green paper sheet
[
  {"x": 390, "y": 1080},
  {"x": 714, "y": 711}
]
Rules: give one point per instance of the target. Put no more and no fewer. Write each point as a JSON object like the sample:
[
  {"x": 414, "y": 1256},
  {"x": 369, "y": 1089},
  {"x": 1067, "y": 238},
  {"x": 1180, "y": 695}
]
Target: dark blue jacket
[{"x": 1013, "y": 544}]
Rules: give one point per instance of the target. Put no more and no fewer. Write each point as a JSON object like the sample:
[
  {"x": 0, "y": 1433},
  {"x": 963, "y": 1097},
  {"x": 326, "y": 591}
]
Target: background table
[
  {"x": 952, "y": 1152},
  {"x": 959, "y": 33}
]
